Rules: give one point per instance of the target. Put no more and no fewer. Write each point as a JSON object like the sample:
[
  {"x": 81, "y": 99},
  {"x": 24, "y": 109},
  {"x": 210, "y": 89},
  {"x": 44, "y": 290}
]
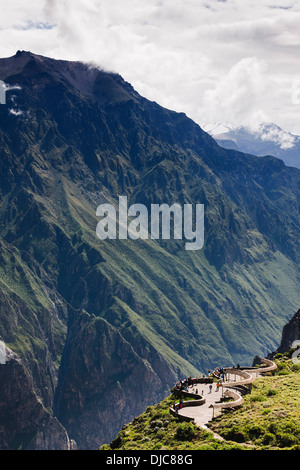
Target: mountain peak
[
  {"x": 267, "y": 139},
  {"x": 216, "y": 128},
  {"x": 24, "y": 53},
  {"x": 88, "y": 79}
]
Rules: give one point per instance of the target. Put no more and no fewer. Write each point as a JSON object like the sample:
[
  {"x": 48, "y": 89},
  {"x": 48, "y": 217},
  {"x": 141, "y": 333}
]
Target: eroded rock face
[
  {"x": 290, "y": 333},
  {"x": 104, "y": 382},
  {"x": 25, "y": 423}
]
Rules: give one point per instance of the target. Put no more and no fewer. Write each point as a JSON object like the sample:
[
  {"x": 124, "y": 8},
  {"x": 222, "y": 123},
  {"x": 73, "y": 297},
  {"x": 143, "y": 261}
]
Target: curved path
[{"x": 209, "y": 404}]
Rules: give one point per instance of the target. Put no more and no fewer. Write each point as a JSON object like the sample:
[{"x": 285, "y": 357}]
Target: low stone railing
[
  {"x": 269, "y": 366},
  {"x": 245, "y": 373},
  {"x": 246, "y": 377},
  {"x": 238, "y": 400},
  {"x": 186, "y": 404}
]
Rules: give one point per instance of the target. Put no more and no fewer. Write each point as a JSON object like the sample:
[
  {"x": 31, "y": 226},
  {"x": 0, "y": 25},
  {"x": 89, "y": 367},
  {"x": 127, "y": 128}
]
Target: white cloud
[
  {"x": 237, "y": 97},
  {"x": 221, "y": 60},
  {"x": 272, "y": 133}
]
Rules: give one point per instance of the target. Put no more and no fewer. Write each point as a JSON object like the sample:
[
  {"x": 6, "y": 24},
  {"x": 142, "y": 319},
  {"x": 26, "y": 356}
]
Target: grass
[
  {"x": 270, "y": 416},
  {"x": 268, "y": 420},
  {"x": 156, "y": 429}
]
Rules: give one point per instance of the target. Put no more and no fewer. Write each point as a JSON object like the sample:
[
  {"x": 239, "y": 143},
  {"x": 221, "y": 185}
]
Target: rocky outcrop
[
  {"x": 25, "y": 423},
  {"x": 103, "y": 382},
  {"x": 290, "y": 333},
  {"x": 32, "y": 336}
]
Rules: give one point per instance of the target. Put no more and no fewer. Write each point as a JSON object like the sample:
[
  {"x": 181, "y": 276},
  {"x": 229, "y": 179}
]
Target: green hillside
[{"x": 268, "y": 420}]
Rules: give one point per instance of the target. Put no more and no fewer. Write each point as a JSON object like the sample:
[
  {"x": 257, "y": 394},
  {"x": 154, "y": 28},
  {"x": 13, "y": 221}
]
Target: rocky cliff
[
  {"x": 290, "y": 333},
  {"x": 102, "y": 379},
  {"x": 104, "y": 328},
  {"x": 24, "y": 421}
]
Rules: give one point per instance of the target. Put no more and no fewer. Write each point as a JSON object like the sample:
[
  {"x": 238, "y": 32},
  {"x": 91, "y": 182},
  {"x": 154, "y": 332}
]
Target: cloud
[
  {"x": 237, "y": 95},
  {"x": 272, "y": 133},
  {"x": 215, "y": 60}
]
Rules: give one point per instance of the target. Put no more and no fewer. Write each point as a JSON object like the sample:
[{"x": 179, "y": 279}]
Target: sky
[{"x": 218, "y": 61}]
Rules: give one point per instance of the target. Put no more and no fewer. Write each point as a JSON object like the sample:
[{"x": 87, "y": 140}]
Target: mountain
[
  {"x": 290, "y": 333},
  {"x": 268, "y": 139},
  {"x": 103, "y": 328},
  {"x": 25, "y": 422}
]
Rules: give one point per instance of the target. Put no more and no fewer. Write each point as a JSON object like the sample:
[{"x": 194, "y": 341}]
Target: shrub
[
  {"x": 255, "y": 431},
  {"x": 268, "y": 439},
  {"x": 271, "y": 392},
  {"x": 284, "y": 372},
  {"x": 286, "y": 439},
  {"x": 156, "y": 429},
  {"x": 137, "y": 420},
  {"x": 235, "y": 434},
  {"x": 185, "y": 432},
  {"x": 157, "y": 446},
  {"x": 282, "y": 369},
  {"x": 258, "y": 397},
  {"x": 116, "y": 443}
]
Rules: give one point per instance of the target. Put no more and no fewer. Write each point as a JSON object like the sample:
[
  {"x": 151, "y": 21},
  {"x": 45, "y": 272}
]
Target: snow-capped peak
[{"x": 216, "y": 128}]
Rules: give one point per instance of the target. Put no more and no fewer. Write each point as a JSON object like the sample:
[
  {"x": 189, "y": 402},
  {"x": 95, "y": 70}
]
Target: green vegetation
[
  {"x": 157, "y": 429},
  {"x": 269, "y": 419},
  {"x": 270, "y": 416}
]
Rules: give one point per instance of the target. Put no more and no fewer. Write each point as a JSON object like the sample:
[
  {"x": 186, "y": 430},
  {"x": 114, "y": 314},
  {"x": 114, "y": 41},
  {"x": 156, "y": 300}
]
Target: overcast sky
[{"x": 234, "y": 61}]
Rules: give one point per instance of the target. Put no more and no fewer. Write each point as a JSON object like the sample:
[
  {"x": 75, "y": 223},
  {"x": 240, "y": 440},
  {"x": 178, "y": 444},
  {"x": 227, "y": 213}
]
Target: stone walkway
[{"x": 204, "y": 413}]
